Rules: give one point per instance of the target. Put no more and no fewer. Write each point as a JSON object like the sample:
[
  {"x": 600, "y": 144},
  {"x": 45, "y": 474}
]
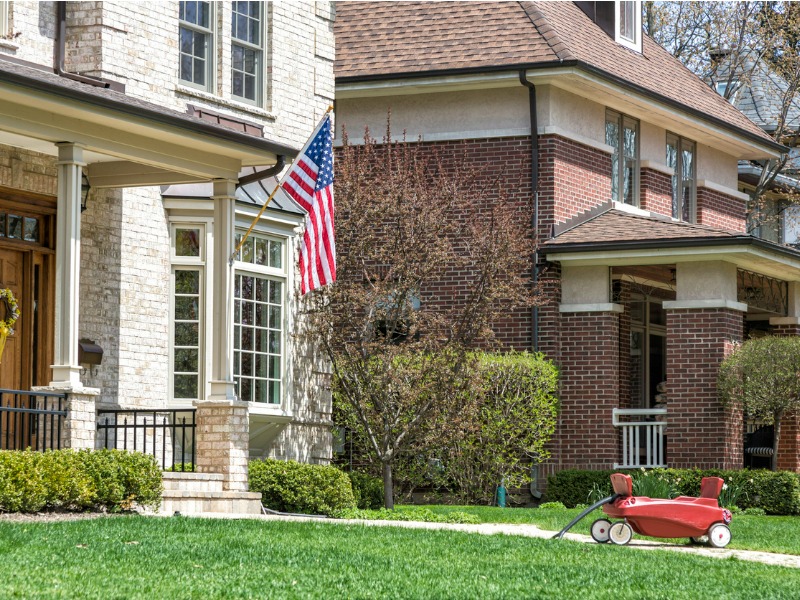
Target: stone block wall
[{"x": 223, "y": 436}]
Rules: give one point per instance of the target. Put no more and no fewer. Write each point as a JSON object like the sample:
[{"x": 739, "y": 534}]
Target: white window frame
[
  {"x": 210, "y": 49},
  {"x": 282, "y": 275},
  {"x": 5, "y": 20},
  {"x": 200, "y": 263},
  {"x": 624, "y": 121},
  {"x": 635, "y": 42},
  {"x": 678, "y": 182},
  {"x": 260, "y": 51}
]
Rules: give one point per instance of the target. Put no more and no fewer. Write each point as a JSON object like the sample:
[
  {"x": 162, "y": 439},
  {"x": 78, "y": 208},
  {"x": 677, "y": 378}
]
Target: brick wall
[
  {"x": 656, "y": 192},
  {"x": 589, "y": 363},
  {"x": 700, "y": 432},
  {"x": 573, "y": 178},
  {"x": 720, "y": 210}
]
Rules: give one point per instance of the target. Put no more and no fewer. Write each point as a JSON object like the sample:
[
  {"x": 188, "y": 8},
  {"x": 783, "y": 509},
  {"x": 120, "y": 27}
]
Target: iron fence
[
  {"x": 31, "y": 420},
  {"x": 168, "y": 435}
]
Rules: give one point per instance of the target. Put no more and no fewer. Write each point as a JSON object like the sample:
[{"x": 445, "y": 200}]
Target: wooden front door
[{"x": 12, "y": 277}]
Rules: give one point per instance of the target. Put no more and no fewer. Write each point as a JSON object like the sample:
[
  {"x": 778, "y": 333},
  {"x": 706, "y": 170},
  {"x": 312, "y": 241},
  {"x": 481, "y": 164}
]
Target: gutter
[
  {"x": 535, "y": 194},
  {"x": 622, "y": 83},
  {"x": 260, "y": 175}
]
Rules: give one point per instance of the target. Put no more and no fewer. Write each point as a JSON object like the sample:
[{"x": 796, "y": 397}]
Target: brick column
[
  {"x": 223, "y": 441},
  {"x": 700, "y": 432},
  {"x": 589, "y": 363},
  {"x": 789, "y": 445},
  {"x": 79, "y": 427}
]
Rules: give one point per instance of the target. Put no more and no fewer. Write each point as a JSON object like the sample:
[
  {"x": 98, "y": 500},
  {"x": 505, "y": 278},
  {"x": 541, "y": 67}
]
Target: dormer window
[{"x": 628, "y": 20}]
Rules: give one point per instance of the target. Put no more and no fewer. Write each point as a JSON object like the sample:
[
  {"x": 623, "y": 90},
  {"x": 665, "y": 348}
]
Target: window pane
[
  {"x": 186, "y": 360},
  {"x": 247, "y": 250},
  {"x": 187, "y": 282},
  {"x": 187, "y": 242},
  {"x": 261, "y": 251},
  {"x": 2, "y": 224},
  {"x": 186, "y": 308},
  {"x": 627, "y": 20},
  {"x": 185, "y": 386},
  {"x": 275, "y": 254},
  {"x": 275, "y": 292},
  {"x": 186, "y": 334},
  {"x": 31, "y": 229},
  {"x": 15, "y": 227}
]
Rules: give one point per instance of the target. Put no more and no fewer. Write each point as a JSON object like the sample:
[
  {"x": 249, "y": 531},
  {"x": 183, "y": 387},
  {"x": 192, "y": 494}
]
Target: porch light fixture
[{"x": 85, "y": 189}]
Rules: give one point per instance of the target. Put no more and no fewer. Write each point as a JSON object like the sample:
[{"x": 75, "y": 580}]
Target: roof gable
[{"x": 382, "y": 40}]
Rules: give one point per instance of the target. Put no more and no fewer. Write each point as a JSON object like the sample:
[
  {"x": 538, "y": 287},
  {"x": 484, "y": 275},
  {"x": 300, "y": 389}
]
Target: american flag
[{"x": 310, "y": 183}]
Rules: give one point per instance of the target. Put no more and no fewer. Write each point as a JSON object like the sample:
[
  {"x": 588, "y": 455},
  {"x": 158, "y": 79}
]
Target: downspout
[
  {"x": 535, "y": 194},
  {"x": 59, "y": 54}
]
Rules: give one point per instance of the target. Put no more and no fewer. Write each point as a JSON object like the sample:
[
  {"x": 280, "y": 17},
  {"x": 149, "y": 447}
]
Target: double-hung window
[
  {"x": 247, "y": 55},
  {"x": 629, "y": 24},
  {"x": 188, "y": 284},
  {"x": 259, "y": 316},
  {"x": 622, "y": 134},
  {"x": 681, "y": 159},
  {"x": 196, "y": 43}
]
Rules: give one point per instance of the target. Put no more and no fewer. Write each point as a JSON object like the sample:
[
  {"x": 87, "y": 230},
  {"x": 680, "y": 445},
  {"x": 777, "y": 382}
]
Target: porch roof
[
  {"x": 615, "y": 237},
  {"x": 127, "y": 141}
]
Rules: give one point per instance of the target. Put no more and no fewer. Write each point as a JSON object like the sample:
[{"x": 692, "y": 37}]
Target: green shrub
[
  {"x": 754, "y": 512},
  {"x": 552, "y": 505},
  {"x": 77, "y": 480},
  {"x": 181, "y": 468},
  {"x": 367, "y": 490},
  {"x": 289, "y": 486},
  {"x": 776, "y": 492}
]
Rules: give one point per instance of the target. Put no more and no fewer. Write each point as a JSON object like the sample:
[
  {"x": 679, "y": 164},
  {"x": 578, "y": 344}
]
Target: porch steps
[{"x": 195, "y": 493}]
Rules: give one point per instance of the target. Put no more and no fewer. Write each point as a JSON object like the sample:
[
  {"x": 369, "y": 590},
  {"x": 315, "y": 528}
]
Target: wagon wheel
[
  {"x": 600, "y": 530},
  {"x": 719, "y": 535},
  {"x": 620, "y": 533},
  {"x": 703, "y": 539}
]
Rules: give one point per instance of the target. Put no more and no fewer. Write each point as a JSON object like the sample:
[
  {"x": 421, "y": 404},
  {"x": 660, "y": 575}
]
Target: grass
[
  {"x": 768, "y": 534},
  {"x": 138, "y": 557}
]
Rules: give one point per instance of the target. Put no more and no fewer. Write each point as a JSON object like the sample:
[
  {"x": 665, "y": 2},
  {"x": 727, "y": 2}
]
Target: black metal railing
[
  {"x": 168, "y": 435},
  {"x": 31, "y": 420}
]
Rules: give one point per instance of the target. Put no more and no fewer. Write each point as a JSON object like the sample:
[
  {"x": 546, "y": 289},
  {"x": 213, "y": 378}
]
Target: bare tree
[
  {"x": 428, "y": 258},
  {"x": 732, "y": 45}
]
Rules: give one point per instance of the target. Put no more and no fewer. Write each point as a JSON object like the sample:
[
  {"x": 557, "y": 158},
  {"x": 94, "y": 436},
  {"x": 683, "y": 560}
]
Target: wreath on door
[{"x": 11, "y": 316}]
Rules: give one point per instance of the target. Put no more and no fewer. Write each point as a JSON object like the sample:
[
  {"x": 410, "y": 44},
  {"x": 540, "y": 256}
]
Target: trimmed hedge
[
  {"x": 77, "y": 480},
  {"x": 776, "y": 492},
  {"x": 367, "y": 490},
  {"x": 289, "y": 486}
]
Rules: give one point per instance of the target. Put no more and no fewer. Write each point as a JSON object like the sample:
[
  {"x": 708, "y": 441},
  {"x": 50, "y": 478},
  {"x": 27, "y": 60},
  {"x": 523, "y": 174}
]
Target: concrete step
[
  {"x": 196, "y": 482},
  {"x": 193, "y": 502}
]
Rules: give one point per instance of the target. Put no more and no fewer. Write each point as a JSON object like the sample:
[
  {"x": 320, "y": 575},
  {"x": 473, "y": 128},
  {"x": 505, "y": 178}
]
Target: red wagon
[{"x": 700, "y": 519}]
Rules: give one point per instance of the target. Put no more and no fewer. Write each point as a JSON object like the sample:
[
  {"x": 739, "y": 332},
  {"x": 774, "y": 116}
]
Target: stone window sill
[{"x": 224, "y": 102}]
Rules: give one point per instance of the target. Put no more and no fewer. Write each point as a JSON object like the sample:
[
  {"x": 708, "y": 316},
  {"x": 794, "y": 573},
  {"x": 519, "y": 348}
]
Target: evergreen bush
[
  {"x": 289, "y": 486},
  {"x": 110, "y": 480}
]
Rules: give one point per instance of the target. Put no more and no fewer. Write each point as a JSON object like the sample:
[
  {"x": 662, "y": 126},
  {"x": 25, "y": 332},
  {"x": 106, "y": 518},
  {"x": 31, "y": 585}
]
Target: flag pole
[{"x": 264, "y": 207}]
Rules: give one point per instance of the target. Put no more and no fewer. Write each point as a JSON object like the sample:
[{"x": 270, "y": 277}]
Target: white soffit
[
  {"x": 744, "y": 256},
  {"x": 37, "y": 120}
]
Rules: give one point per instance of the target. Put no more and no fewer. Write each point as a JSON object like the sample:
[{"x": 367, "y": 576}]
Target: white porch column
[
  {"x": 222, "y": 384},
  {"x": 66, "y": 371}
]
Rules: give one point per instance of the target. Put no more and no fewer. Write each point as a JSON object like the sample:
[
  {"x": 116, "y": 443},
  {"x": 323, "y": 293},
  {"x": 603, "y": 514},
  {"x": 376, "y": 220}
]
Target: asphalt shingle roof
[
  {"x": 619, "y": 226},
  {"x": 404, "y": 39}
]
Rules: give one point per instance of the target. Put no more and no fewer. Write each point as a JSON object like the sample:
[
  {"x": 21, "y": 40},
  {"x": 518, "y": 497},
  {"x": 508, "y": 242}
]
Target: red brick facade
[
  {"x": 655, "y": 192},
  {"x": 573, "y": 178},
  {"x": 701, "y": 433},
  {"x": 589, "y": 363},
  {"x": 719, "y": 210}
]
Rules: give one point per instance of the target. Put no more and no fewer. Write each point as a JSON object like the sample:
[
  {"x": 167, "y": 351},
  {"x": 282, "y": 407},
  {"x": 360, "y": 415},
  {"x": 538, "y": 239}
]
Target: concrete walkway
[{"x": 784, "y": 560}]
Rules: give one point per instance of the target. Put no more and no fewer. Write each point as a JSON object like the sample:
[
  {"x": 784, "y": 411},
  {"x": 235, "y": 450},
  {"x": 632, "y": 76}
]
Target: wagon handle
[{"x": 585, "y": 512}]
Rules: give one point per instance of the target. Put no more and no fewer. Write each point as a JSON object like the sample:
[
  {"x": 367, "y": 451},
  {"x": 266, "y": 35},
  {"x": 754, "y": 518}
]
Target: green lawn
[
  {"x": 770, "y": 534},
  {"x": 138, "y": 557}
]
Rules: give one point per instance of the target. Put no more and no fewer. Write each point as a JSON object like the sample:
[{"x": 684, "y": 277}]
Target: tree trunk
[
  {"x": 388, "y": 487},
  {"x": 776, "y": 439}
]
